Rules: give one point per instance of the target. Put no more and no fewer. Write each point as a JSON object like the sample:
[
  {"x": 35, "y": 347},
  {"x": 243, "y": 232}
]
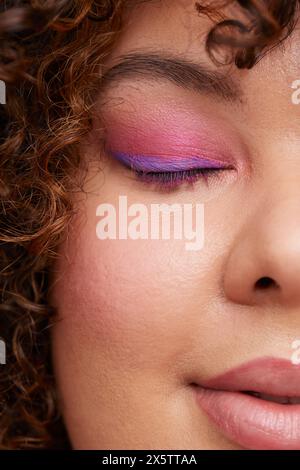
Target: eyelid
[{"x": 152, "y": 163}]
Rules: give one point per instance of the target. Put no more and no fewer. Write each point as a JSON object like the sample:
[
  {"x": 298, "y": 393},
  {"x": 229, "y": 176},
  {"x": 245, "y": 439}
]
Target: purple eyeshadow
[{"x": 157, "y": 164}]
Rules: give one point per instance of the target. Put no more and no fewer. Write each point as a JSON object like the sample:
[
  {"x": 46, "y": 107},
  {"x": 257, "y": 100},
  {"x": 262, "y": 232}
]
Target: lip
[{"x": 252, "y": 422}]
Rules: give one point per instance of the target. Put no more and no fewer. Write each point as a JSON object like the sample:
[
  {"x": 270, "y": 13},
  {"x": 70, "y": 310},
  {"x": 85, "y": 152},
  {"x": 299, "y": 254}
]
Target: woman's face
[{"x": 148, "y": 328}]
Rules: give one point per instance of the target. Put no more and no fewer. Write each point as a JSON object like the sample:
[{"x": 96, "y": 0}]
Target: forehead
[
  {"x": 177, "y": 25},
  {"x": 165, "y": 23}
]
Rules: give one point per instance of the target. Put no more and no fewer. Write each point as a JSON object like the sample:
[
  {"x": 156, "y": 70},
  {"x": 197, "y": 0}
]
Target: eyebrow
[{"x": 180, "y": 71}]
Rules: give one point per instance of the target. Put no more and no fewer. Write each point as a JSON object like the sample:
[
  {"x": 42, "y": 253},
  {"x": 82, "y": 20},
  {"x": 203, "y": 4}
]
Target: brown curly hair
[{"x": 51, "y": 55}]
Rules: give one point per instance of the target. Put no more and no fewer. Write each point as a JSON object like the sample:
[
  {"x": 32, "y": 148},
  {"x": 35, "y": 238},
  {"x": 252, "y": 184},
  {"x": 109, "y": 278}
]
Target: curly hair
[{"x": 51, "y": 56}]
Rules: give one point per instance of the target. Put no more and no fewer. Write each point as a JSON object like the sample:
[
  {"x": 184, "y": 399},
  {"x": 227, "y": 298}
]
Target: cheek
[
  {"x": 133, "y": 304},
  {"x": 122, "y": 296}
]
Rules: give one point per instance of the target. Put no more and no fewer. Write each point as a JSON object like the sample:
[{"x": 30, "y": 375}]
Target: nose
[{"x": 264, "y": 264}]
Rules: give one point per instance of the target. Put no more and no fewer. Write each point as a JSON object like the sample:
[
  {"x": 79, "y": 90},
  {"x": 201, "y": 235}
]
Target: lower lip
[{"x": 251, "y": 422}]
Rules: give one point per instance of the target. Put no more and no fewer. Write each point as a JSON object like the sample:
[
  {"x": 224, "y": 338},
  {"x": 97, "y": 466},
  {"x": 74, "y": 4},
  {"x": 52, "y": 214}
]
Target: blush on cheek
[
  {"x": 119, "y": 298},
  {"x": 98, "y": 288}
]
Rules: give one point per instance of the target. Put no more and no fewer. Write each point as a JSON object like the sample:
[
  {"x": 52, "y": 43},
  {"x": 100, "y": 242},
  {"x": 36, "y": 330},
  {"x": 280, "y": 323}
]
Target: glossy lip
[{"x": 251, "y": 422}]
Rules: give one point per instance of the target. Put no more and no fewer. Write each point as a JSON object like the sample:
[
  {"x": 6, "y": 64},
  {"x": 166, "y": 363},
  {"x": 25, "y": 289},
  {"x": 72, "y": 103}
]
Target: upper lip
[{"x": 268, "y": 375}]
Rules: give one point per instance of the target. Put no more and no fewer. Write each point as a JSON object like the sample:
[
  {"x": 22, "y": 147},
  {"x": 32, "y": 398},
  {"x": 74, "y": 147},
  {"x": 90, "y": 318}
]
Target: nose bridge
[
  {"x": 277, "y": 173},
  {"x": 277, "y": 179},
  {"x": 278, "y": 229},
  {"x": 278, "y": 145}
]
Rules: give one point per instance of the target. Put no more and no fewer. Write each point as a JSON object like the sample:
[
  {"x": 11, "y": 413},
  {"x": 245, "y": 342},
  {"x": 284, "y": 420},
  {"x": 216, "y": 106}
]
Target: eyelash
[
  {"x": 168, "y": 180},
  {"x": 173, "y": 179}
]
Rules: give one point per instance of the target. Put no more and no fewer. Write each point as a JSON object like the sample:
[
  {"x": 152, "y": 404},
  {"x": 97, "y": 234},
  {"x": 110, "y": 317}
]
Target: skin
[{"x": 139, "y": 320}]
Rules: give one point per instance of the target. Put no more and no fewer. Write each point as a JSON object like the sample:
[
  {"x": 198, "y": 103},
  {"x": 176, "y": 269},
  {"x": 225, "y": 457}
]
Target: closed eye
[
  {"x": 170, "y": 172},
  {"x": 173, "y": 179}
]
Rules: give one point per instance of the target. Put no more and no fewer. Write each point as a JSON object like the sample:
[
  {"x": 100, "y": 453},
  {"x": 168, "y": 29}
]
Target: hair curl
[{"x": 51, "y": 53}]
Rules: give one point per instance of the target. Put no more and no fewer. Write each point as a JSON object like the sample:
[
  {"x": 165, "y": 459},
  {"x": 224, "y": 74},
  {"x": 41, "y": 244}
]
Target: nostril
[{"x": 265, "y": 283}]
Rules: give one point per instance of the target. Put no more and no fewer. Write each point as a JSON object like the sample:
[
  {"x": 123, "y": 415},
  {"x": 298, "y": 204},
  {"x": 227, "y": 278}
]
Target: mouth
[
  {"x": 256, "y": 405},
  {"x": 283, "y": 400}
]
